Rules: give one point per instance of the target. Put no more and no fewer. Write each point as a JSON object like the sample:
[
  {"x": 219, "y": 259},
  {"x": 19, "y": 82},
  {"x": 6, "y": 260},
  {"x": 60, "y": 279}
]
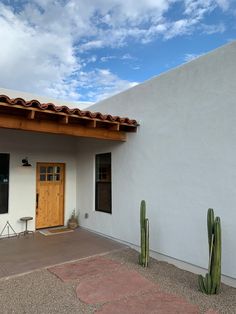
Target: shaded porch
[
  {"x": 50, "y": 137},
  {"x": 25, "y": 254}
]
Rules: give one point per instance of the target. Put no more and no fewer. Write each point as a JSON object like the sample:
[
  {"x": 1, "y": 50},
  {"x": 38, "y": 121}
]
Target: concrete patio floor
[
  {"x": 25, "y": 254},
  {"x": 81, "y": 272}
]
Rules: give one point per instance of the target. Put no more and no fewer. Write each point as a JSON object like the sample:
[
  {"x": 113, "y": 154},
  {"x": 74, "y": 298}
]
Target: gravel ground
[
  {"x": 40, "y": 292},
  {"x": 176, "y": 281}
]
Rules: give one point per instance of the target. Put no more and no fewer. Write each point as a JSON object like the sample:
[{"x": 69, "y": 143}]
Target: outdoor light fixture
[{"x": 25, "y": 162}]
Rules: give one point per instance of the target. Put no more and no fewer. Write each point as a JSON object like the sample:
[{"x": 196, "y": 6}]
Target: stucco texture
[{"x": 181, "y": 161}]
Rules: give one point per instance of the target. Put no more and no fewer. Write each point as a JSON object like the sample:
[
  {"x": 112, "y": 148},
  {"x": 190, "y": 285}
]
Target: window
[
  {"x": 103, "y": 183},
  {"x": 50, "y": 173},
  {"x": 4, "y": 182}
]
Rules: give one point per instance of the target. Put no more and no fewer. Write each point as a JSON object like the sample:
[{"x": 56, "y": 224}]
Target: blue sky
[{"x": 89, "y": 50}]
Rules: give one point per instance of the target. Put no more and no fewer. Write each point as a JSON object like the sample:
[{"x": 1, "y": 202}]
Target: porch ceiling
[{"x": 32, "y": 115}]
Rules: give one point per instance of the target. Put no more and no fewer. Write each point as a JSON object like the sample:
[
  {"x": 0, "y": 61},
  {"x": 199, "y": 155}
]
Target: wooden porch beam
[
  {"x": 31, "y": 115},
  {"x": 44, "y": 126},
  {"x": 65, "y": 120},
  {"x": 115, "y": 127},
  {"x": 92, "y": 124}
]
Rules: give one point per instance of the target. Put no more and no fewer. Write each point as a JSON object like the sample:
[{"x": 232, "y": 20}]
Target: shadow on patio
[{"x": 21, "y": 255}]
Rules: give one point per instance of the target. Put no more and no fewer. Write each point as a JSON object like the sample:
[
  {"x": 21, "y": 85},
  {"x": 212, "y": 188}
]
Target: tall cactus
[
  {"x": 144, "y": 236},
  {"x": 211, "y": 283}
]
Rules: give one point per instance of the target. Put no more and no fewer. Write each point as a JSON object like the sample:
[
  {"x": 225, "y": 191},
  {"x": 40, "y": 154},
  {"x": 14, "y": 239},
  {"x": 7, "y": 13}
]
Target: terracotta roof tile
[{"x": 75, "y": 111}]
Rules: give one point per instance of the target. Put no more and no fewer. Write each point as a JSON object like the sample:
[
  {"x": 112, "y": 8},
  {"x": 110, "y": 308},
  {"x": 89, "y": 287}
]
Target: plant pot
[{"x": 73, "y": 224}]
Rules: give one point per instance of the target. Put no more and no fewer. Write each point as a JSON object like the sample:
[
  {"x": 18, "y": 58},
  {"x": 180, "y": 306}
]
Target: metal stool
[{"x": 25, "y": 219}]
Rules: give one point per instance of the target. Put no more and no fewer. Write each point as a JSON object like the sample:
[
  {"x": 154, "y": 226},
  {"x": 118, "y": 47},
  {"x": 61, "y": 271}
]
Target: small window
[
  {"x": 50, "y": 173},
  {"x": 4, "y": 183},
  {"x": 103, "y": 183}
]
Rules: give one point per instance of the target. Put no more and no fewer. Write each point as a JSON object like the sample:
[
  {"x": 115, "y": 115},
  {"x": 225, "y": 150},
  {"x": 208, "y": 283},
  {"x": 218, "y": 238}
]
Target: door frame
[{"x": 64, "y": 183}]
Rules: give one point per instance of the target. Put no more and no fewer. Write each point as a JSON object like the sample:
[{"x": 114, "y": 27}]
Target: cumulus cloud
[
  {"x": 35, "y": 60},
  {"x": 44, "y": 43},
  {"x": 102, "y": 83},
  {"x": 224, "y": 4},
  {"x": 212, "y": 29}
]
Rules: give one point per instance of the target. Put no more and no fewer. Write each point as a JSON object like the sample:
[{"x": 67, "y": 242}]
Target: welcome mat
[{"x": 48, "y": 232}]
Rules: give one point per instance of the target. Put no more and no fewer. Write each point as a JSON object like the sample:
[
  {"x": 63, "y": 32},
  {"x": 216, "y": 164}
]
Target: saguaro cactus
[
  {"x": 144, "y": 236},
  {"x": 211, "y": 283}
]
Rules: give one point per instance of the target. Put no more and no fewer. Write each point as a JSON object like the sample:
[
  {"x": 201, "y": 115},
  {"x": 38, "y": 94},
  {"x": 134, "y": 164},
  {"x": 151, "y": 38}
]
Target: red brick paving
[
  {"x": 85, "y": 268},
  {"x": 122, "y": 290},
  {"x": 112, "y": 286},
  {"x": 151, "y": 302}
]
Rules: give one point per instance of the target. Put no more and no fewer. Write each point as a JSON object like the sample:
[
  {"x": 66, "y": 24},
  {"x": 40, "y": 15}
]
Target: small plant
[
  {"x": 144, "y": 236},
  {"x": 211, "y": 283},
  {"x": 73, "y": 216},
  {"x": 73, "y": 222}
]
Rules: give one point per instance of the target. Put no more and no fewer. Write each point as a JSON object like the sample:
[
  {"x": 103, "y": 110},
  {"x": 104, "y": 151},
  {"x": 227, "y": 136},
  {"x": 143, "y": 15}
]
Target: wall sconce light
[{"x": 25, "y": 162}]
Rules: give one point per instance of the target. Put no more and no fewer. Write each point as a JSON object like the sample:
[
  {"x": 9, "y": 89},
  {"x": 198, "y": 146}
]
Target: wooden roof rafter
[{"x": 47, "y": 118}]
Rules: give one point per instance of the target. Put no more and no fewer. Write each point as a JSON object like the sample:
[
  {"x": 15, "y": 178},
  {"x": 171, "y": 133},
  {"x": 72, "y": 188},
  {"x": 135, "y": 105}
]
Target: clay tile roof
[{"x": 75, "y": 111}]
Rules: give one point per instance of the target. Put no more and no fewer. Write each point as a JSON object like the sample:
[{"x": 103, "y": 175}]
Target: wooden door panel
[
  {"x": 50, "y": 190},
  {"x": 54, "y": 203},
  {"x": 41, "y": 215}
]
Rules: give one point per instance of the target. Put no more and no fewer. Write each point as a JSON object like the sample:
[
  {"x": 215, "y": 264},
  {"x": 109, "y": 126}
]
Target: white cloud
[
  {"x": 137, "y": 67},
  {"x": 93, "y": 44},
  {"x": 224, "y": 4},
  {"x": 90, "y": 59},
  {"x": 46, "y": 44},
  {"x": 107, "y": 58},
  {"x": 33, "y": 60},
  {"x": 127, "y": 56},
  {"x": 191, "y": 56},
  {"x": 212, "y": 29},
  {"x": 197, "y": 8},
  {"x": 101, "y": 83},
  {"x": 179, "y": 28}
]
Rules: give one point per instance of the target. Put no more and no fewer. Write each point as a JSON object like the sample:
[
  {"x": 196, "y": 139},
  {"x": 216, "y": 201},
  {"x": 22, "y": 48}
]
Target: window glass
[
  {"x": 50, "y": 177},
  {"x": 56, "y": 177},
  {"x": 57, "y": 169},
  {"x": 42, "y": 177},
  {"x": 42, "y": 169},
  {"x": 103, "y": 183},
  {"x": 4, "y": 183},
  {"x": 50, "y": 169},
  {"x": 50, "y": 173}
]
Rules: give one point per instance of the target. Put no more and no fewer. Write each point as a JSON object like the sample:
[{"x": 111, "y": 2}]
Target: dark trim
[
  {"x": 4, "y": 186},
  {"x": 103, "y": 186}
]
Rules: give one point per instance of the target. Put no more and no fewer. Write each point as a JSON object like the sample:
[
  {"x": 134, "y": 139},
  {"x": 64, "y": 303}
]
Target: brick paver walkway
[
  {"x": 117, "y": 289},
  {"x": 150, "y": 302},
  {"x": 84, "y": 268},
  {"x": 112, "y": 286}
]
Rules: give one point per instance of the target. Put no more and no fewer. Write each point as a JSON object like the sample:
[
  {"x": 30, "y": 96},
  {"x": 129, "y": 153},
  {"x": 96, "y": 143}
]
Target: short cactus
[
  {"x": 211, "y": 283},
  {"x": 144, "y": 236}
]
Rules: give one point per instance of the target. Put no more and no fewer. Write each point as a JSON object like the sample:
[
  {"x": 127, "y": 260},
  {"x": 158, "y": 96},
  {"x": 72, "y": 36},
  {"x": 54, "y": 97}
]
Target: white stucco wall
[
  {"x": 22, "y": 182},
  {"x": 181, "y": 161}
]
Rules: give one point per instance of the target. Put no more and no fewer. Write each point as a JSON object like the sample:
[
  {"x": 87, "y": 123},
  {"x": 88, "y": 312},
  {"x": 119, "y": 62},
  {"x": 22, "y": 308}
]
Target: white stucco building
[{"x": 181, "y": 160}]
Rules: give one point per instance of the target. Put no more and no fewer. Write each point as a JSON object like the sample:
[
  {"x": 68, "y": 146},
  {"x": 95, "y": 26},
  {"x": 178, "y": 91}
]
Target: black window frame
[
  {"x": 4, "y": 185},
  {"x": 103, "y": 183}
]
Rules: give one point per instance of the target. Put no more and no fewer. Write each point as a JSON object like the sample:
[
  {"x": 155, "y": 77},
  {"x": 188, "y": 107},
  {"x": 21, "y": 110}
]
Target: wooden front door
[{"x": 50, "y": 195}]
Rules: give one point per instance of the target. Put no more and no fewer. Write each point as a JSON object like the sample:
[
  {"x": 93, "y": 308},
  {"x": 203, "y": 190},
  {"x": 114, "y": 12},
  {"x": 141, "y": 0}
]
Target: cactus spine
[
  {"x": 144, "y": 230},
  {"x": 211, "y": 283}
]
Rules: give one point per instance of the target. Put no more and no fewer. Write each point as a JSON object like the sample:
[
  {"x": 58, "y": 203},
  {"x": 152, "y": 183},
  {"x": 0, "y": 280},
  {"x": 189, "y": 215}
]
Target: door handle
[{"x": 37, "y": 201}]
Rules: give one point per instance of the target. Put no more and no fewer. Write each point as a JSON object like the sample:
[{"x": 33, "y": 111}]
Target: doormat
[{"x": 49, "y": 232}]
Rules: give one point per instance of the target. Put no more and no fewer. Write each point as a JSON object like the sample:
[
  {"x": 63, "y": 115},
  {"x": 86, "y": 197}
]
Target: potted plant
[{"x": 73, "y": 222}]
